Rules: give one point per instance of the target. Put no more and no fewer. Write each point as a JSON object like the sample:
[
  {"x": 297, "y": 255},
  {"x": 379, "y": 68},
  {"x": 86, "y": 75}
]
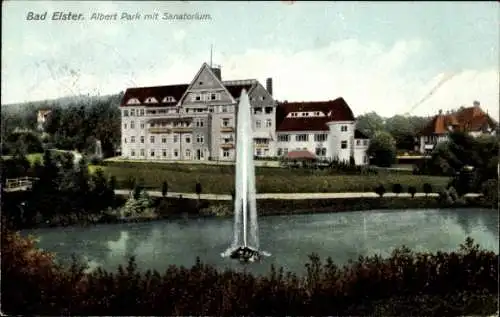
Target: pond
[{"x": 290, "y": 239}]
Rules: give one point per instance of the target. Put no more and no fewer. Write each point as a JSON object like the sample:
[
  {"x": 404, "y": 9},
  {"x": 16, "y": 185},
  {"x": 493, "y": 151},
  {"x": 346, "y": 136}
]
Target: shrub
[
  {"x": 412, "y": 190},
  {"x": 427, "y": 188},
  {"x": 380, "y": 190},
  {"x": 397, "y": 189}
]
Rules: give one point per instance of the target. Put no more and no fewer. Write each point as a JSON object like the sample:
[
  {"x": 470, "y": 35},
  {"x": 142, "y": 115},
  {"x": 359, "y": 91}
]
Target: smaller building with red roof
[{"x": 472, "y": 120}]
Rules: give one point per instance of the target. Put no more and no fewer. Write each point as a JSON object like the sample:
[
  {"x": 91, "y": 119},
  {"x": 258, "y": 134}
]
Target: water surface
[{"x": 290, "y": 239}]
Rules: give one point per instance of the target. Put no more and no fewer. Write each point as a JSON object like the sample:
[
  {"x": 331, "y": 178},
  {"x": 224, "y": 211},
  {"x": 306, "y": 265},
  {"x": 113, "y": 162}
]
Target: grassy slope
[{"x": 220, "y": 179}]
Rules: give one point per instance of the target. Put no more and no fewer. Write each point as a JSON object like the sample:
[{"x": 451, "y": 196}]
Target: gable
[
  {"x": 259, "y": 96},
  {"x": 205, "y": 82}
]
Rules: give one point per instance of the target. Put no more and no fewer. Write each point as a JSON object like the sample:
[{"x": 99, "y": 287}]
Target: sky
[{"x": 385, "y": 57}]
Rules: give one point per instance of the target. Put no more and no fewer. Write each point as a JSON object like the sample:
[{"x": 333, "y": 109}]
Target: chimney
[
  {"x": 269, "y": 85},
  {"x": 476, "y": 104},
  {"x": 216, "y": 69},
  {"x": 440, "y": 112}
]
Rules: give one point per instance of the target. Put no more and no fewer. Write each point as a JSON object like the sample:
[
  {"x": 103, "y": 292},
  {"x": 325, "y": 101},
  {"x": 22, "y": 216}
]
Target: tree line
[{"x": 70, "y": 126}]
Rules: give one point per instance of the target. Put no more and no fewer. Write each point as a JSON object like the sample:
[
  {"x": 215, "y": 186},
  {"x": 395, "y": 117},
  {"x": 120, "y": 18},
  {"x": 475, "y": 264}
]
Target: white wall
[
  {"x": 294, "y": 145},
  {"x": 337, "y": 136}
]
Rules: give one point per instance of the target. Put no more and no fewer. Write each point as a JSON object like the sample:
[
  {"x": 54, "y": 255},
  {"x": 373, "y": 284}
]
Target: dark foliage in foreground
[{"x": 407, "y": 283}]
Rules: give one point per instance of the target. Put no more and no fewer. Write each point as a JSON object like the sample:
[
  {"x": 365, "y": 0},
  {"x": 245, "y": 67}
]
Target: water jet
[{"x": 245, "y": 246}]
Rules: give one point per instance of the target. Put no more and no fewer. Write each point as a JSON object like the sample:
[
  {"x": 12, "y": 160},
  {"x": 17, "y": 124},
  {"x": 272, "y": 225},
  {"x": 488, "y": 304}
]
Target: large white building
[{"x": 197, "y": 121}]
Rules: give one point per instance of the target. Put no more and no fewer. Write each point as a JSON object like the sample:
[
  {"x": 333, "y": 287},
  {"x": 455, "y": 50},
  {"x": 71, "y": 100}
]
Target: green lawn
[
  {"x": 32, "y": 158},
  {"x": 220, "y": 179}
]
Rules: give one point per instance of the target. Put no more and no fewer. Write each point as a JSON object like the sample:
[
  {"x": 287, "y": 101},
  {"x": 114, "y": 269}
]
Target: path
[{"x": 286, "y": 196}]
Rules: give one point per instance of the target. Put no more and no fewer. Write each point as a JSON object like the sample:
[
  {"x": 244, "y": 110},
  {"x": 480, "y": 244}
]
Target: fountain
[
  {"x": 98, "y": 149},
  {"x": 245, "y": 246}
]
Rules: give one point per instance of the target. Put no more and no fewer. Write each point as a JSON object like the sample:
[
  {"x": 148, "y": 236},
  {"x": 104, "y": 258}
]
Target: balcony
[
  {"x": 160, "y": 130},
  {"x": 182, "y": 129},
  {"x": 227, "y": 146},
  {"x": 226, "y": 129},
  {"x": 261, "y": 145}
]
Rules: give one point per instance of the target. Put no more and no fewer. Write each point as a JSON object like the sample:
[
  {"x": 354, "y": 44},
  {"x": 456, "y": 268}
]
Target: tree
[
  {"x": 383, "y": 149},
  {"x": 427, "y": 189},
  {"x": 198, "y": 189},
  {"x": 352, "y": 161},
  {"x": 370, "y": 123},
  {"x": 397, "y": 189},
  {"x": 164, "y": 189},
  {"x": 380, "y": 190},
  {"x": 412, "y": 190}
]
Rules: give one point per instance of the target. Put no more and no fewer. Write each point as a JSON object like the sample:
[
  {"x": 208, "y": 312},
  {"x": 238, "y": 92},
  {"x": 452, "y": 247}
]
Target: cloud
[{"x": 369, "y": 76}]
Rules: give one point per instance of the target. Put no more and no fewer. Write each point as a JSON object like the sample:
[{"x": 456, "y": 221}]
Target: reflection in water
[{"x": 291, "y": 239}]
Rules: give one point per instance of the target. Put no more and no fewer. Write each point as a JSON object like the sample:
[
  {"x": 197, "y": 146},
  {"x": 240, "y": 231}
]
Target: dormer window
[
  {"x": 151, "y": 100},
  {"x": 316, "y": 113},
  {"x": 168, "y": 99},
  {"x": 133, "y": 101}
]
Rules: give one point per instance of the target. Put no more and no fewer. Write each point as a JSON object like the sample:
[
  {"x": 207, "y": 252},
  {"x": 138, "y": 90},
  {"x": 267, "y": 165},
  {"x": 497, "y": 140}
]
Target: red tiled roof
[
  {"x": 338, "y": 109},
  {"x": 295, "y": 155},
  {"x": 176, "y": 91},
  {"x": 466, "y": 119}
]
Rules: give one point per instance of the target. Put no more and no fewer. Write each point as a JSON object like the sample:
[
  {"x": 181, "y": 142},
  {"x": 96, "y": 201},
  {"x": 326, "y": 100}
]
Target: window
[
  {"x": 132, "y": 139},
  {"x": 163, "y": 140},
  {"x": 132, "y": 112},
  {"x": 358, "y": 142},
  {"x": 200, "y": 122},
  {"x": 343, "y": 145},
  {"x": 124, "y": 126},
  {"x": 301, "y": 138},
  {"x": 132, "y": 153},
  {"x": 188, "y": 153},
  {"x": 268, "y": 110},
  {"x": 176, "y": 153},
  {"x": 316, "y": 113},
  {"x": 262, "y": 98},
  {"x": 257, "y": 110},
  {"x": 321, "y": 151},
  {"x": 142, "y": 124},
  {"x": 284, "y": 138},
  {"x": 125, "y": 140},
  {"x": 320, "y": 137},
  {"x": 188, "y": 139},
  {"x": 200, "y": 139},
  {"x": 176, "y": 138},
  {"x": 164, "y": 152},
  {"x": 224, "y": 108},
  {"x": 280, "y": 152},
  {"x": 343, "y": 128},
  {"x": 258, "y": 152},
  {"x": 132, "y": 125},
  {"x": 365, "y": 142},
  {"x": 214, "y": 96},
  {"x": 141, "y": 112},
  {"x": 269, "y": 123},
  {"x": 152, "y": 153},
  {"x": 225, "y": 122},
  {"x": 257, "y": 124},
  {"x": 125, "y": 113},
  {"x": 152, "y": 139},
  {"x": 225, "y": 153},
  {"x": 196, "y": 97},
  {"x": 142, "y": 139},
  {"x": 142, "y": 152},
  {"x": 285, "y": 151}
]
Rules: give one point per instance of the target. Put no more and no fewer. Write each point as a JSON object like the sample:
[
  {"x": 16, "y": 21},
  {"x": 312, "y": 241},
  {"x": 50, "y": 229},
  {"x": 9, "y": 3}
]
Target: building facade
[
  {"x": 326, "y": 129},
  {"x": 472, "y": 120},
  {"x": 197, "y": 121}
]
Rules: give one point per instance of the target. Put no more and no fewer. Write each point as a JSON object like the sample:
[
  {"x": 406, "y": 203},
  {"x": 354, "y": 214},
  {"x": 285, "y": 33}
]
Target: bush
[
  {"x": 397, "y": 189},
  {"x": 427, "y": 188},
  {"x": 412, "y": 190},
  {"x": 380, "y": 190},
  {"x": 407, "y": 283}
]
